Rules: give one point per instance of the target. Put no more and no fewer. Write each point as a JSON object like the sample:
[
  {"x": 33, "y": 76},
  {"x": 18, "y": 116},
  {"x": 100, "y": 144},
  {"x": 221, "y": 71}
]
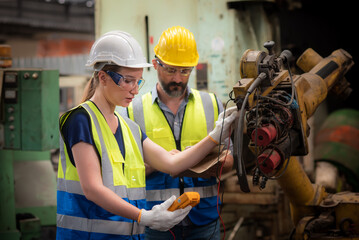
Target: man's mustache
[{"x": 174, "y": 84}]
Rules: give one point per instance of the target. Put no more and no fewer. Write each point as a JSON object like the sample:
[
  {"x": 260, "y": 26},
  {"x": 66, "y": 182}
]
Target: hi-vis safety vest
[
  {"x": 79, "y": 218},
  {"x": 199, "y": 119}
]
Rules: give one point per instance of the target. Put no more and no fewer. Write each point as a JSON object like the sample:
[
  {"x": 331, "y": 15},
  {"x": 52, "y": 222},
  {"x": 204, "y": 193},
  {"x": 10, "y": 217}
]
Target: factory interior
[{"x": 305, "y": 47}]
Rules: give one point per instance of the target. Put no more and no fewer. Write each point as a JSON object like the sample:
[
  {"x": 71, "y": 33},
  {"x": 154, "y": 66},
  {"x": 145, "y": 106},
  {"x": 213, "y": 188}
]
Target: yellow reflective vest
[{"x": 78, "y": 217}]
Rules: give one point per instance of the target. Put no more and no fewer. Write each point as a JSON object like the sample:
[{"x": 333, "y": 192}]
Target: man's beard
[{"x": 178, "y": 88}]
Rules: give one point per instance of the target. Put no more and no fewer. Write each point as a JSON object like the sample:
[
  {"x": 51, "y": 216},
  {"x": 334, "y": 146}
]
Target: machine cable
[
  {"x": 238, "y": 138},
  {"x": 257, "y": 173},
  {"x": 220, "y": 167}
]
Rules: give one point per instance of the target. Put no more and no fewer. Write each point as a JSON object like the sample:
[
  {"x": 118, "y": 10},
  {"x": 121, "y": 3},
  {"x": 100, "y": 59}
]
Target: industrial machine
[
  {"x": 275, "y": 106},
  {"x": 28, "y": 131},
  {"x": 336, "y": 151}
]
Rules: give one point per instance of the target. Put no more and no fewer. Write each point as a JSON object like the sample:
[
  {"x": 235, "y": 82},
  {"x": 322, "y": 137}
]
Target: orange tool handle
[{"x": 187, "y": 198}]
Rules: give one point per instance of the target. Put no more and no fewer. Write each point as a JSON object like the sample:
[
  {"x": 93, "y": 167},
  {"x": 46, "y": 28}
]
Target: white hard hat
[{"x": 116, "y": 47}]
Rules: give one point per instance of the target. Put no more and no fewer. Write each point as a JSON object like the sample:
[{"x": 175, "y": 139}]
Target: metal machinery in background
[
  {"x": 275, "y": 106},
  {"x": 28, "y": 131},
  {"x": 336, "y": 151}
]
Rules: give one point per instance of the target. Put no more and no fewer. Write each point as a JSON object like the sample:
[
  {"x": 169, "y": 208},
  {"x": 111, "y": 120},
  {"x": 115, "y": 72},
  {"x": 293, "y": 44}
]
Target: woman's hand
[
  {"x": 222, "y": 129},
  {"x": 159, "y": 218}
]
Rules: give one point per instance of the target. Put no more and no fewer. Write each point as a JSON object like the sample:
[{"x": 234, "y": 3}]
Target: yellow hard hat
[{"x": 177, "y": 47}]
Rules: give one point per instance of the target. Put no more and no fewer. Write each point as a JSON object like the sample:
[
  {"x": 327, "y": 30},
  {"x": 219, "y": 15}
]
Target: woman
[{"x": 101, "y": 174}]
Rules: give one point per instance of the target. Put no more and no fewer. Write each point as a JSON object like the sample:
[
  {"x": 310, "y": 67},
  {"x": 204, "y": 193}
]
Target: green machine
[{"x": 29, "y": 111}]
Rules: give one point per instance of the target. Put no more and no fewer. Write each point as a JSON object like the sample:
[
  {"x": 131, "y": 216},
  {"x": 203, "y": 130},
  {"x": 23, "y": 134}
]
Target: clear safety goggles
[
  {"x": 127, "y": 83},
  {"x": 172, "y": 71}
]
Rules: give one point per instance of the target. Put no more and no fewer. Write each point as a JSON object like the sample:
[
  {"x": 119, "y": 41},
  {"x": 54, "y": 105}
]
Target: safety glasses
[
  {"x": 172, "y": 71},
  {"x": 127, "y": 83}
]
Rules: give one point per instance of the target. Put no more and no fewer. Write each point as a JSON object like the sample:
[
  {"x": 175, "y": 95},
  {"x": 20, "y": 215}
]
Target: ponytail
[
  {"x": 92, "y": 84},
  {"x": 90, "y": 87}
]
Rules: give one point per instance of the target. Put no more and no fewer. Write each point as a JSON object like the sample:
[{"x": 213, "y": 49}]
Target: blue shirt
[{"x": 77, "y": 128}]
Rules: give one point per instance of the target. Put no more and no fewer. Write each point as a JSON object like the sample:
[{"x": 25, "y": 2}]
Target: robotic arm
[{"x": 275, "y": 108}]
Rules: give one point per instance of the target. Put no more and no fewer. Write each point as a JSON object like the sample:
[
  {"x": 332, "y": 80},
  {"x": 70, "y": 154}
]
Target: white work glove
[
  {"x": 160, "y": 219},
  {"x": 228, "y": 120}
]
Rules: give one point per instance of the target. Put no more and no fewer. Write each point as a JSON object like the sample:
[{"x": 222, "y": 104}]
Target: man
[{"x": 176, "y": 117}]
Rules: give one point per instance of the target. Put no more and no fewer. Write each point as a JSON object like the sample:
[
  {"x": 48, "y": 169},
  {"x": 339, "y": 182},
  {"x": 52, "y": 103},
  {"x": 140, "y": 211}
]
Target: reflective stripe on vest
[
  {"x": 164, "y": 194},
  {"x": 98, "y": 225},
  {"x": 128, "y": 182}
]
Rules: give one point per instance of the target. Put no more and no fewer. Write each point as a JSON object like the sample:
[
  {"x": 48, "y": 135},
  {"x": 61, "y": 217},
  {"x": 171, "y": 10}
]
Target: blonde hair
[{"x": 93, "y": 83}]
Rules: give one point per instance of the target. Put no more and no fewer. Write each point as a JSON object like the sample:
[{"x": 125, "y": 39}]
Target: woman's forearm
[
  {"x": 164, "y": 161},
  {"x": 109, "y": 201}
]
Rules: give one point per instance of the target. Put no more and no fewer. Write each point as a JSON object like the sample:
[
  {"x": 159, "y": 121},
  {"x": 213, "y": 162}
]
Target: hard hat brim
[{"x": 99, "y": 65}]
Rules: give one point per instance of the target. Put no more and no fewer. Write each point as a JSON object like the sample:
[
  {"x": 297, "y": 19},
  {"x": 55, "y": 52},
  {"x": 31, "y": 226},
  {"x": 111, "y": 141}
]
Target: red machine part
[
  {"x": 265, "y": 135},
  {"x": 269, "y": 160}
]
